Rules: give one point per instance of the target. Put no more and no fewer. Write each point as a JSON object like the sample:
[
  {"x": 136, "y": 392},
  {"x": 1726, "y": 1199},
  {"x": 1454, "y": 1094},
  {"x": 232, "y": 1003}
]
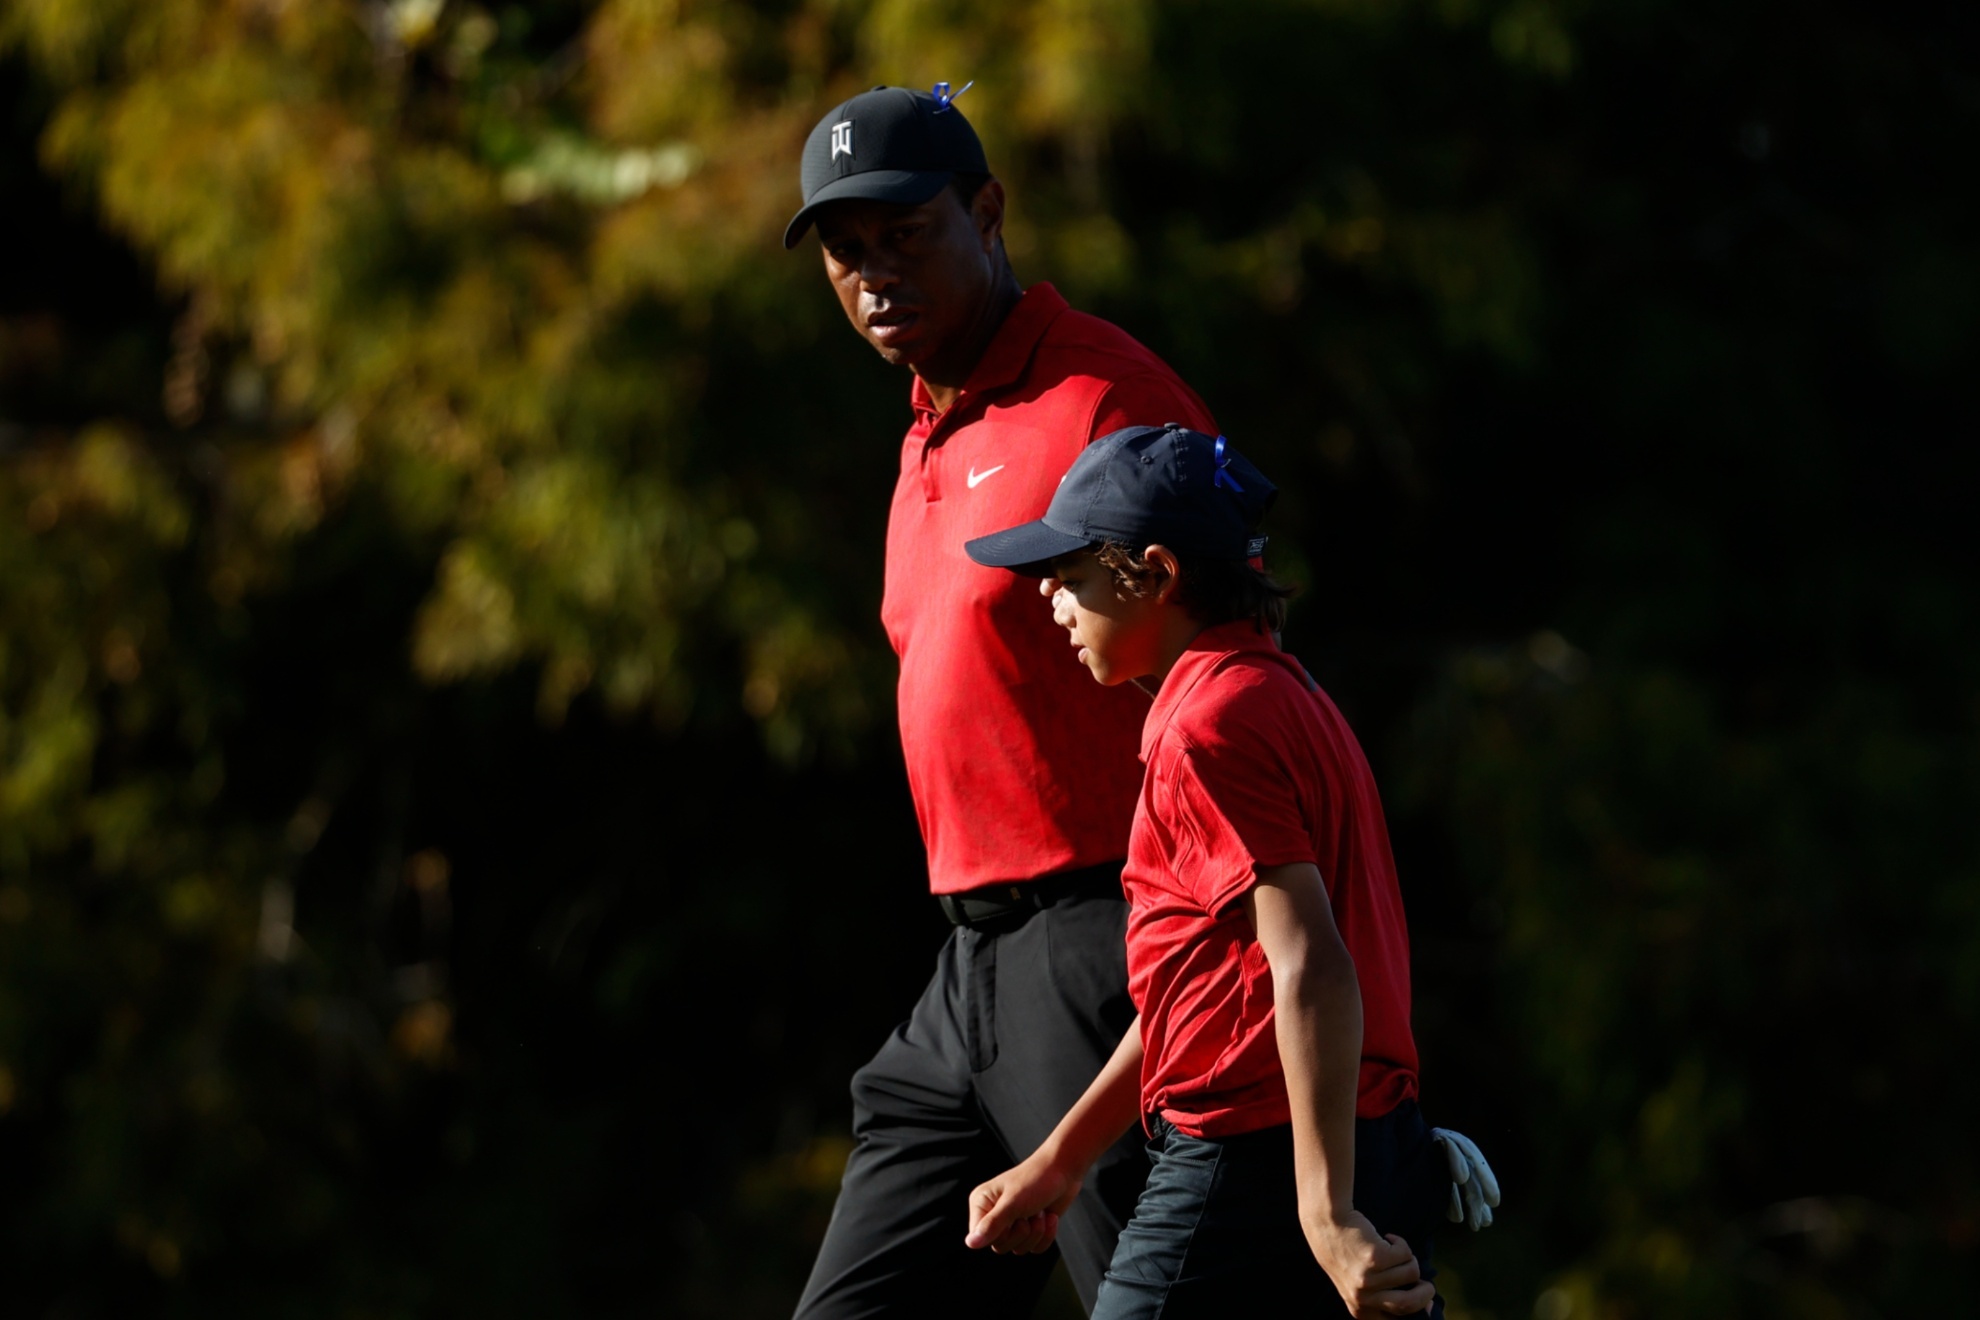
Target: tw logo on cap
[{"x": 842, "y": 138}]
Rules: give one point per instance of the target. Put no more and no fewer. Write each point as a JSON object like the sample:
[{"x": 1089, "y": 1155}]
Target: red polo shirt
[
  {"x": 1249, "y": 766},
  {"x": 1020, "y": 765}
]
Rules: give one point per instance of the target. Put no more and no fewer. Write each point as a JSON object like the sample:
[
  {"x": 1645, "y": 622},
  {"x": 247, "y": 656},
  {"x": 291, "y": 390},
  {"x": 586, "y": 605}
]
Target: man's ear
[
  {"x": 1161, "y": 559},
  {"x": 986, "y": 210}
]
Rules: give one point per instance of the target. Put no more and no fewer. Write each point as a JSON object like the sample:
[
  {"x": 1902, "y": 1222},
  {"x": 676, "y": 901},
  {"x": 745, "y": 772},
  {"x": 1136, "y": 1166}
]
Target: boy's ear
[{"x": 1161, "y": 559}]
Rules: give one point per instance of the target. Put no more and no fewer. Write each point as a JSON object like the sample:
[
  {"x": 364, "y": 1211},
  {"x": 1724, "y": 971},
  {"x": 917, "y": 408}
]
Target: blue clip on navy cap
[
  {"x": 1143, "y": 486},
  {"x": 886, "y": 145}
]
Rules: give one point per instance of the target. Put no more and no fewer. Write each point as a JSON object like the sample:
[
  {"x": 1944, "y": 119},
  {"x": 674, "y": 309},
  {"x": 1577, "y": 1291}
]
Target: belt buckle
[{"x": 1003, "y": 900}]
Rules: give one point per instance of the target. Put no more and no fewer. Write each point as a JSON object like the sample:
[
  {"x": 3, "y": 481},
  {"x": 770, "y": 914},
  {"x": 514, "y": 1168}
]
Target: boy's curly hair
[{"x": 1213, "y": 590}]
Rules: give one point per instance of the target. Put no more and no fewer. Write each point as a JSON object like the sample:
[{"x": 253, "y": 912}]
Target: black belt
[{"x": 998, "y": 904}]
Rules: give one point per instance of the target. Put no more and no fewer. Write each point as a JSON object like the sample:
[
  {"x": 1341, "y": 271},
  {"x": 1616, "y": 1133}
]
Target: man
[{"x": 1023, "y": 783}]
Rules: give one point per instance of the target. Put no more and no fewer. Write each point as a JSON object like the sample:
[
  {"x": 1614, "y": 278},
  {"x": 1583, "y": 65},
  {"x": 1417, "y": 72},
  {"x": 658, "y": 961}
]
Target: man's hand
[
  {"x": 1375, "y": 1275},
  {"x": 1017, "y": 1212}
]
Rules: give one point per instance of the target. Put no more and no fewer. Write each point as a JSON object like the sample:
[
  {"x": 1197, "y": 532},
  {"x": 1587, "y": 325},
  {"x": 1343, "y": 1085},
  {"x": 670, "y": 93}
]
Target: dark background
[{"x": 453, "y": 849}]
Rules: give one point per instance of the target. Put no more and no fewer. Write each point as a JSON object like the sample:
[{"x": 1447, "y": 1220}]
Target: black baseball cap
[
  {"x": 886, "y": 145},
  {"x": 1146, "y": 485}
]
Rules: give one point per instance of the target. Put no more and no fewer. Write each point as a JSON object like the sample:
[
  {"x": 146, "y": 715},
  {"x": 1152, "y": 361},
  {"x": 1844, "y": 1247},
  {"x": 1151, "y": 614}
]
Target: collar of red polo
[
  {"x": 1010, "y": 350},
  {"x": 1198, "y": 659}
]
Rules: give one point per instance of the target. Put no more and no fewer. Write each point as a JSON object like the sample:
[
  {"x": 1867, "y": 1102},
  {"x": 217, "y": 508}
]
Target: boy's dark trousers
[
  {"x": 1019, "y": 1018},
  {"x": 1217, "y": 1233}
]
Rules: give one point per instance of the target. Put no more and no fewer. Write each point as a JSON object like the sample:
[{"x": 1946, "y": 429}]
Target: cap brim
[
  {"x": 1028, "y": 549},
  {"x": 902, "y": 187}
]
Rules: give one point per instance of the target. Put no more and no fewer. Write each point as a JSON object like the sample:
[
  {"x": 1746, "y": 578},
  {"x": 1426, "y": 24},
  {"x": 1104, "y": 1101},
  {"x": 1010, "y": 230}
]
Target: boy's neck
[{"x": 1179, "y": 629}]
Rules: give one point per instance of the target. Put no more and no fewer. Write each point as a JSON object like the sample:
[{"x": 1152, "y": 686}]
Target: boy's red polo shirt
[
  {"x": 1020, "y": 765},
  {"x": 1249, "y": 766}
]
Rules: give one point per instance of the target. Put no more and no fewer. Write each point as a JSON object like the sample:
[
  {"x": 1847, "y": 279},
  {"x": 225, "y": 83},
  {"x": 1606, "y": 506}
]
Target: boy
[{"x": 1272, "y": 1063}]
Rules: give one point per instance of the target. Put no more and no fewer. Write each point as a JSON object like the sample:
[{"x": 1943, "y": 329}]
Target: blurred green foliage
[{"x": 439, "y": 540}]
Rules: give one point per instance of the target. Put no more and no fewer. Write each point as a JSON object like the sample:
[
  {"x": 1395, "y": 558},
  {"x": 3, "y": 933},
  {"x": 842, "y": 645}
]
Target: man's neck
[{"x": 944, "y": 379}]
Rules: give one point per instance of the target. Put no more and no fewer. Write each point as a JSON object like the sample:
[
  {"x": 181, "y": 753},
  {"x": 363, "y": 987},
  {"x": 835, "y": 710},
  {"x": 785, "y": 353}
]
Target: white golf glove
[{"x": 1474, "y": 1189}]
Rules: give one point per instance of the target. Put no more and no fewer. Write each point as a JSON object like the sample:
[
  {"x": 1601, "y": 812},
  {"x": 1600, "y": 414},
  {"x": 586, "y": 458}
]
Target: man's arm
[
  {"x": 1317, "y": 1010},
  {"x": 1018, "y": 1210}
]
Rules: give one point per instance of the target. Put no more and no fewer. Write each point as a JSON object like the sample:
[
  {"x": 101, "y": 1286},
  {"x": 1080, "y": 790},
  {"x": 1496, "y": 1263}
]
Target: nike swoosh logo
[{"x": 978, "y": 478}]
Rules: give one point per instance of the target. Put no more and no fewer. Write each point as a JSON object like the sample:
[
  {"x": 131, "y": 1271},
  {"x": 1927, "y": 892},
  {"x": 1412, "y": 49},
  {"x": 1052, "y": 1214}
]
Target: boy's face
[{"x": 1119, "y": 636}]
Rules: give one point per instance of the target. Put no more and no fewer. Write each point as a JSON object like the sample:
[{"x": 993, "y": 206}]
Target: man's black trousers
[{"x": 1017, "y": 1021}]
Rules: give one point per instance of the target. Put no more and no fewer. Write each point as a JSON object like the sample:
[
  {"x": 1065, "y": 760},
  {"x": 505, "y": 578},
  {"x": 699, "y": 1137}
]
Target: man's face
[
  {"x": 917, "y": 282},
  {"x": 1119, "y": 635}
]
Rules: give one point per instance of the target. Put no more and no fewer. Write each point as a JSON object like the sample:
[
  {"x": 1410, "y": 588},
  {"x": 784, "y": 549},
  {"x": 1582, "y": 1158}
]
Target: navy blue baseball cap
[
  {"x": 886, "y": 145},
  {"x": 1146, "y": 485}
]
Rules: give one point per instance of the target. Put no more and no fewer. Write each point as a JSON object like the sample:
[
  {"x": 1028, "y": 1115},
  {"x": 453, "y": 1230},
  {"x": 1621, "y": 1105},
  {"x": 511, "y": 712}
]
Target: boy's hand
[
  {"x": 1376, "y": 1276},
  {"x": 1017, "y": 1212}
]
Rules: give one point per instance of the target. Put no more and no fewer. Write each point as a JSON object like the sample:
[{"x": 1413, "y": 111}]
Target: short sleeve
[
  {"x": 1149, "y": 398},
  {"x": 1237, "y": 813}
]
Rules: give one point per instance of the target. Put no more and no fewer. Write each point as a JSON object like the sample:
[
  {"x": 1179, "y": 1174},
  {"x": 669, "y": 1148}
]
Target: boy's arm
[
  {"x": 1317, "y": 1006},
  {"x": 1018, "y": 1210}
]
